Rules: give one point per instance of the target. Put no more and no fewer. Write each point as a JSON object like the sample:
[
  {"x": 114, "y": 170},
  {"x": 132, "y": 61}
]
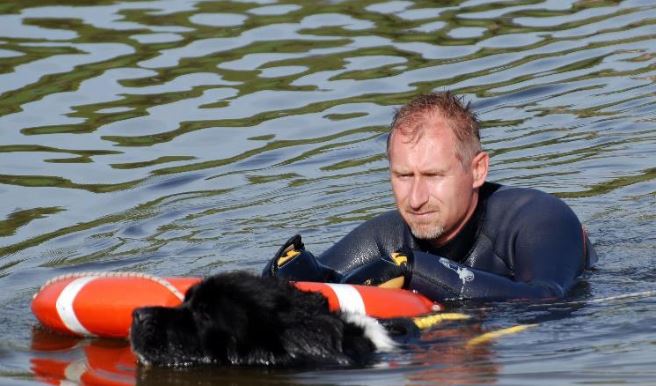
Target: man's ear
[{"x": 479, "y": 166}]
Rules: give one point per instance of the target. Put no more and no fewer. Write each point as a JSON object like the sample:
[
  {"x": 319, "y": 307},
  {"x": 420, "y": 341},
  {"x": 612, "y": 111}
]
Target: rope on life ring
[{"x": 95, "y": 274}]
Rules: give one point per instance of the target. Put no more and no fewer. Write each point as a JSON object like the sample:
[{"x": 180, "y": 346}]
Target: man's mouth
[{"x": 421, "y": 214}]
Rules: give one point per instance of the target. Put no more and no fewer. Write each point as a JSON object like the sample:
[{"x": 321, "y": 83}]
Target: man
[{"x": 453, "y": 235}]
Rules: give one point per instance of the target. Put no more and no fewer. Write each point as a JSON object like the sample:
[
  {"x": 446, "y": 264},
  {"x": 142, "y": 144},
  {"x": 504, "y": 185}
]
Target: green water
[{"x": 193, "y": 137}]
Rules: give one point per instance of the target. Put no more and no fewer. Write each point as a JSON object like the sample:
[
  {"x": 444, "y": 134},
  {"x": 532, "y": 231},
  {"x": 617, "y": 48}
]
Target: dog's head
[{"x": 234, "y": 318}]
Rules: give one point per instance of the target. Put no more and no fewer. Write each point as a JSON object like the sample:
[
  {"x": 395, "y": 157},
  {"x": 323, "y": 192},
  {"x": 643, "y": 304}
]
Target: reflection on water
[
  {"x": 441, "y": 355},
  {"x": 190, "y": 137}
]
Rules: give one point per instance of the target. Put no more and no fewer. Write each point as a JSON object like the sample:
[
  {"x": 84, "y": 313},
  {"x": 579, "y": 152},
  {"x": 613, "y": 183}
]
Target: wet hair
[{"x": 412, "y": 119}]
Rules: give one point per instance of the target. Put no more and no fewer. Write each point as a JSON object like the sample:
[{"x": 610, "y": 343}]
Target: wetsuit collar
[{"x": 458, "y": 248}]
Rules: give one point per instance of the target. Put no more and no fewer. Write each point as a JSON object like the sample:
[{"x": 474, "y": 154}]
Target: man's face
[{"x": 434, "y": 193}]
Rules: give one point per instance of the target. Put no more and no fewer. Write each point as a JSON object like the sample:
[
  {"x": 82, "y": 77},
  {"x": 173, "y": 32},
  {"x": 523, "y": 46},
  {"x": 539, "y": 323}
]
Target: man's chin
[
  {"x": 426, "y": 232},
  {"x": 423, "y": 227}
]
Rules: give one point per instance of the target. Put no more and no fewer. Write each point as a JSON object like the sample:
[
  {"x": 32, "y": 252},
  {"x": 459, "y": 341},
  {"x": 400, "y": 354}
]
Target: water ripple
[{"x": 189, "y": 137}]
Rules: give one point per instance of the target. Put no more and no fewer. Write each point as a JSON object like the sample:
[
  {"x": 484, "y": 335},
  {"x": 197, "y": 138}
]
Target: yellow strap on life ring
[
  {"x": 424, "y": 322},
  {"x": 488, "y": 336},
  {"x": 396, "y": 282}
]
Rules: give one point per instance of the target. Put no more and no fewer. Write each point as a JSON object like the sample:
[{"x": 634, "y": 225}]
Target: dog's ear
[
  {"x": 218, "y": 310},
  {"x": 190, "y": 292}
]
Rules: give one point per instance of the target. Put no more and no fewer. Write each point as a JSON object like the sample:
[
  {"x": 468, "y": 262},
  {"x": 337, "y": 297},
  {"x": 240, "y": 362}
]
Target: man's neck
[{"x": 450, "y": 235}]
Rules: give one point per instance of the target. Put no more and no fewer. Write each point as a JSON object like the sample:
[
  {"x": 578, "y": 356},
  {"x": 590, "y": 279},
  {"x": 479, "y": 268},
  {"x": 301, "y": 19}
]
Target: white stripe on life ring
[
  {"x": 65, "y": 309},
  {"x": 349, "y": 298}
]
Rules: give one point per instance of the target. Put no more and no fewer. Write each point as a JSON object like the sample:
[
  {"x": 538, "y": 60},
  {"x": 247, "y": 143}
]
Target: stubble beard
[{"x": 426, "y": 230}]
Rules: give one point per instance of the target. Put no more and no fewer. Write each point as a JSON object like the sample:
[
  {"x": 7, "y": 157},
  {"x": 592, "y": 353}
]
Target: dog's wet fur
[{"x": 236, "y": 318}]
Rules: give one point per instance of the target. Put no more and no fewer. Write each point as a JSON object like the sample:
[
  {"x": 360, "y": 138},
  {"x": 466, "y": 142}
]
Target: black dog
[{"x": 240, "y": 319}]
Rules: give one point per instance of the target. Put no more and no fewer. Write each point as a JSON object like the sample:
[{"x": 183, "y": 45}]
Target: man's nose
[{"x": 418, "y": 193}]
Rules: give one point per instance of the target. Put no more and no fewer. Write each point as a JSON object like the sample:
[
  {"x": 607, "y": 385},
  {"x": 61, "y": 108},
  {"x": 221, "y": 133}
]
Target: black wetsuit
[{"x": 519, "y": 243}]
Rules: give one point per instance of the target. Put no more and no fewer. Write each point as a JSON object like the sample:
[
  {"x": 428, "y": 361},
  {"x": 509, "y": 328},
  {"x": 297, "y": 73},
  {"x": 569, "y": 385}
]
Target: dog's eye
[{"x": 201, "y": 315}]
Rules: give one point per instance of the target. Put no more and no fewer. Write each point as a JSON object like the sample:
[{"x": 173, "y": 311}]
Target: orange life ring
[{"x": 101, "y": 304}]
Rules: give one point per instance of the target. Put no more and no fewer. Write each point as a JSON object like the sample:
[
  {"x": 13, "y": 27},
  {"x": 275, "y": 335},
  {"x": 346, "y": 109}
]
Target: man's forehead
[
  {"x": 434, "y": 148},
  {"x": 412, "y": 131}
]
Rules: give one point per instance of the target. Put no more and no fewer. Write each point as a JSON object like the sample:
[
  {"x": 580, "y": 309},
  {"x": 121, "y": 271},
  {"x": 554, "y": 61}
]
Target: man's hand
[
  {"x": 391, "y": 271},
  {"x": 292, "y": 262}
]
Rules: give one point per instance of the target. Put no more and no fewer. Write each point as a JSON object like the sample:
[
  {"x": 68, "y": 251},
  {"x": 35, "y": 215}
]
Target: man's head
[{"x": 436, "y": 165}]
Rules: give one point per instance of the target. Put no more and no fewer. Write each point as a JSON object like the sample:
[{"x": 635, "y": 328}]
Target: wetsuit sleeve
[
  {"x": 377, "y": 237},
  {"x": 439, "y": 278},
  {"x": 546, "y": 243},
  {"x": 380, "y": 236}
]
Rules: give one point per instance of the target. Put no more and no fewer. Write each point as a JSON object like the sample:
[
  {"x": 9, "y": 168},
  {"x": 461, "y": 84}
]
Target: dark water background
[{"x": 192, "y": 137}]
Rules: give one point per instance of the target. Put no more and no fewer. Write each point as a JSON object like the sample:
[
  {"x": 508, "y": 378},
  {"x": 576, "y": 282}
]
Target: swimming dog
[{"x": 239, "y": 319}]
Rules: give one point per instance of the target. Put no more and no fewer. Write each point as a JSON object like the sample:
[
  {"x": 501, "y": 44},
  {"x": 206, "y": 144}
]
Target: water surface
[{"x": 193, "y": 137}]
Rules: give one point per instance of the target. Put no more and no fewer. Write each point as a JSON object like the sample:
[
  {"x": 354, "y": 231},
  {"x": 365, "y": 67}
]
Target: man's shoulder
[
  {"x": 520, "y": 196},
  {"x": 385, "y": 219},
  {"x": 384, "y": 227},
  {"x": 390, "y": 215},
  {"x": 512, "y": 201}
]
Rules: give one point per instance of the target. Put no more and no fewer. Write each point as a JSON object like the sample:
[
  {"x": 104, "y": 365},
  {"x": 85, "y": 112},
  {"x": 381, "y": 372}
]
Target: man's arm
[
  {"x": 369, "y": 241},
  {"x": 380, "y": 236}
]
